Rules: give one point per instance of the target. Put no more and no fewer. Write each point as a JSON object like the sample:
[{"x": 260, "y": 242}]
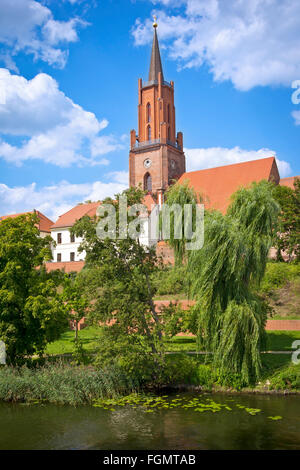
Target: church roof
[
  {"x": 155, "y": 64},
  {"x": 43, "y": 225},
  {"x": 149, "y": 201},
  {"x": 288, "y": 181},
  {"x": 216, "y": 185},
  {"x": 69, "y": 218}
]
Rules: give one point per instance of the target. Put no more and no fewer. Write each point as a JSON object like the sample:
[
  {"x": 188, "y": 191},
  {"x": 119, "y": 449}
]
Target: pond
[{"x": 185, "y": 421}]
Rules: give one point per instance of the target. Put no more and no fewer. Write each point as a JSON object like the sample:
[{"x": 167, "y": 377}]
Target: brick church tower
[{"x": 156, "y": 156}]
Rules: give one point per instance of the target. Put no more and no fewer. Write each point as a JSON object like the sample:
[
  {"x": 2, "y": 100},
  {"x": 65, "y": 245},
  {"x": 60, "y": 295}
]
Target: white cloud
[
  {"x": 296, "y": 116},
  {"x": 57, "y": 31},
  {"x": 250, "y": 42},
  {"x": 56, "y": 199},
  {"x": 199, "y": 159},
  {"x": 52, "y": 128},
  {"x": 29, "y": 26},
  {"x": 104, "y": 144},
  {"x": 121, "y": 177}
]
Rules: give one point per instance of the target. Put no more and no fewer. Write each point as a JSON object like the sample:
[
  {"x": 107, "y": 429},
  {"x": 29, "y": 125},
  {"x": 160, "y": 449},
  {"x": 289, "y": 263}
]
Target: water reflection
[{"x": 62, "y": 427}]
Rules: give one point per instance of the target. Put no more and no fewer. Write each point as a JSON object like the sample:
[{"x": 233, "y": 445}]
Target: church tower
[{"x": 156, "y": 156}]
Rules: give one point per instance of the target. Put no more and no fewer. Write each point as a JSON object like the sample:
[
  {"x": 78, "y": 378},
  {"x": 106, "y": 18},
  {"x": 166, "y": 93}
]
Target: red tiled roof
[
  {"x": 216, "y": 185},
  {"x": 148, "y": 201},
  {"x": 288, "y": 181},
  {"x": 67, "y": 266},
  {"x": 69, "y": 218},
  {"x": 43, "y": 225}
]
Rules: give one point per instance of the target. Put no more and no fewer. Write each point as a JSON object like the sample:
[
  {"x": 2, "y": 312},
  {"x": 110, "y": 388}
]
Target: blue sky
[{"x": 68, "y": 90}]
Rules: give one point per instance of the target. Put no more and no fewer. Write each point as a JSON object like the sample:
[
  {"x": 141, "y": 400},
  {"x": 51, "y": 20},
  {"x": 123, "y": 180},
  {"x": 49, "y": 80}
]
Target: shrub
[
  {"x": 205, "y": 376},
  {"x": 230, "y": 379},
  {"x": 179, "y": 369},
  {"x": 287, "y": 378},
  {"x": 170, "y": 281},
  {"x": 277, "y": 275},
  {"x": 129, "y": 353}
]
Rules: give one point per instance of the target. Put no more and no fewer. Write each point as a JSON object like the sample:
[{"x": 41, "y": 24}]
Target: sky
[{"x": 68, "y": 90}]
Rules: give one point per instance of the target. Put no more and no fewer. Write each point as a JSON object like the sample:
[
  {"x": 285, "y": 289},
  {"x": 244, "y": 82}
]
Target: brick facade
[{"x": 156, "y": 153}]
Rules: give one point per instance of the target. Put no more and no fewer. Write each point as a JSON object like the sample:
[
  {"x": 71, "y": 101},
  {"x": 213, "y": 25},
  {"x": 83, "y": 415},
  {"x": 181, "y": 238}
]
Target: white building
[{"x": 66, "y": 246}]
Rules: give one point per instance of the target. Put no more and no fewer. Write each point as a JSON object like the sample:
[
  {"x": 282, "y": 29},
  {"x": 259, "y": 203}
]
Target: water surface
[{"x": 86, "y": 427}]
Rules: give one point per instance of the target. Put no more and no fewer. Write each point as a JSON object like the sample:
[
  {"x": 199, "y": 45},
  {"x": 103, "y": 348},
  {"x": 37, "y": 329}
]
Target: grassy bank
[
  {"x": 276, "y": 341},
  {"x": 62, "y": 384},
  {"x": 72, "y": 385}
]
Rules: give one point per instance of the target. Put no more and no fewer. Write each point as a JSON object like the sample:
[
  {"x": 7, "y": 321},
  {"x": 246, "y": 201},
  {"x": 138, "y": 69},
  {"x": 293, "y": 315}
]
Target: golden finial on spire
[{"x": 155, "y": 22}]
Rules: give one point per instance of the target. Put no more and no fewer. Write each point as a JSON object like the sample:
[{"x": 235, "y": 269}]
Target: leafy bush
[
  {"x": 277, "y": 275},
  {"x": 287, "y": 378},
  {"x": 179, "y": 369},
  {"x": 170, "y": 281},
  {"x": 230, "y": 379},
  {"x": 129, "y": 353},
  {"x": 205, "y": 376}
]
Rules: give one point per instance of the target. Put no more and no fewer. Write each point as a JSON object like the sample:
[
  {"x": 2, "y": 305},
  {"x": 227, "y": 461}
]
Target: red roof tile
[
  {"x": 69, "y": 218},
  {"x": 216, "y": 185},
  {"x": 148, "y": 201},
  {"x": 288, "y": 181},
  {"x": 43, "y": 225}
]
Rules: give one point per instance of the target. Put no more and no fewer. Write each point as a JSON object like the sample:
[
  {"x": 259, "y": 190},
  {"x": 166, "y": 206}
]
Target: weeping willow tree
[
  {"x": 230, "y": 316},
  {"x": 171, "y": 217}
]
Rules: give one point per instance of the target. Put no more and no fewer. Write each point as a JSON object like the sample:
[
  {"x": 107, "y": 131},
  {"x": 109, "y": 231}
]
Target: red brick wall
[
  {"x": 166, "y": 252},
  {"x": 287, "y": 325}
]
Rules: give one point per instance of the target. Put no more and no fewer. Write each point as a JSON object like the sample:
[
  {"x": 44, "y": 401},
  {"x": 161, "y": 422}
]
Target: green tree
[
  {"x": 75, "y": 300},
  {"x": 77, "y": 305},
  {"x": 179, "y": 194},
  {"x": 31, "y": 310},
  {"x": 288, "y": 236},
  {"x": 231, "y": 318},
  {"x": 118, "y": 280}
]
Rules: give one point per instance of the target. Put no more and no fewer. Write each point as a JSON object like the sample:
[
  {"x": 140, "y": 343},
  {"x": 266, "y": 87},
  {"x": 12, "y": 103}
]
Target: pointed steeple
[{"x": 155, "y": 65}]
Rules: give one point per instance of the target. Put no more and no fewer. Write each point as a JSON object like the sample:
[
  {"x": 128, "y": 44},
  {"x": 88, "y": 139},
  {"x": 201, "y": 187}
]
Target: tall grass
[{"x": 62, "y": 384}]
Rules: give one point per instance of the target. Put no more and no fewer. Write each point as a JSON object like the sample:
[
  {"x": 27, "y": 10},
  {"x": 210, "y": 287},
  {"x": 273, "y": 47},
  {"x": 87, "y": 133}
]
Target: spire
[{"x": 155, "y": 65}]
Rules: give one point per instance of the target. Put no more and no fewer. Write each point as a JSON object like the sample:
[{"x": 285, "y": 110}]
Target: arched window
[
  {"x": 169, "y": 133},
  {"x": 168, "y": 111},
  {"x": 147, "y": 182},
  {"x": 149, "y": 133},
  {"x": 148, "y": 111}
]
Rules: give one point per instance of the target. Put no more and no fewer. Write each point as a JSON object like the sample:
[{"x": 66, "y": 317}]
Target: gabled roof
[
  {"x": 44, "y": 222},
  {"x": 69, "y": 218},
  {"x": 216, "y": 185},
  {"x": 288, "y": 181},
  {"x": 148, "y": 201}
]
